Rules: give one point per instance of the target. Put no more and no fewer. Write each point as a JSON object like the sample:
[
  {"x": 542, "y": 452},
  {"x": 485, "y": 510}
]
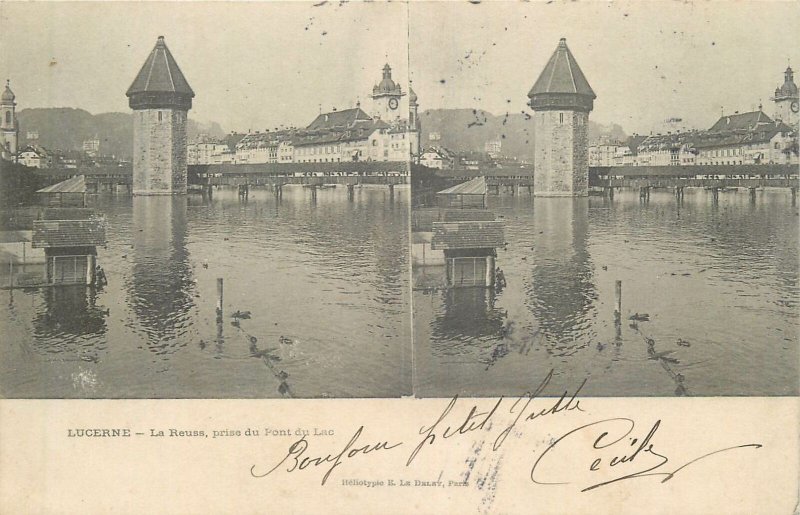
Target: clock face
[
  {"x": 392, "y": 103},
  {"x": 795, "y": 107}
]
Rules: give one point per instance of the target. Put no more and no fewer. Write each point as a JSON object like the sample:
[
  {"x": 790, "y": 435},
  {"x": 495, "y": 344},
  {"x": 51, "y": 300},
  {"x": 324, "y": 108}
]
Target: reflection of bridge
[
  {"x": 113, "y": 179},
  {"x": 713, "y": 177}
]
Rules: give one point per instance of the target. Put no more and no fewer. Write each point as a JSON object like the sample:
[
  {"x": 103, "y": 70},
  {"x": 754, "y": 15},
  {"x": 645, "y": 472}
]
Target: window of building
[
  {"x": 560, "y": 117},
  {"x": 777, "y": 145},
  {"x": 159, "y": 116}
]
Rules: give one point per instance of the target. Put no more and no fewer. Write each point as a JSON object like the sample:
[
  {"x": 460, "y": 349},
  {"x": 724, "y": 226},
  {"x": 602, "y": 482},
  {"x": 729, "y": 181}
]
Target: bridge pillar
[
  {"x": 715, "y": 194},
  {"x": 351, "y": 192}
]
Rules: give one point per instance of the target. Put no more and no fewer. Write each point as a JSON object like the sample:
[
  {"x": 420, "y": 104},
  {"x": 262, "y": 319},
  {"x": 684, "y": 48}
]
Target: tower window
[{"x": 8, "y": 116}]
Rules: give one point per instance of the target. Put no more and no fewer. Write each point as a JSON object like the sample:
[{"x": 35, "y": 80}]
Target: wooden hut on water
[
  {"x": 68, "y": 193},
  {"x": 467, "y": 195},
  {"x": 470, "y": 248},
  {"x": 70, "y": 238}
]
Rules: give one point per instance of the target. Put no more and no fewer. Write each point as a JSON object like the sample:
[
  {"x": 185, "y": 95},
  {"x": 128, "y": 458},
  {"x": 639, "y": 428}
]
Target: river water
[
  {"x": 718, "y": 283},
  {"x": 325, "y": 282}
]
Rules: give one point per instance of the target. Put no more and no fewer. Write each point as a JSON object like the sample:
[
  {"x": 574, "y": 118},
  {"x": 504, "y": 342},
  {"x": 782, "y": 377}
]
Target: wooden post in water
[
  {"x": 618, "y": 301},
  {"x": 752, "y": 195},
  {"x": 219, "y": 300},
  {"x": 391, "y": 189},
  {"x": 794, "y": 196}
]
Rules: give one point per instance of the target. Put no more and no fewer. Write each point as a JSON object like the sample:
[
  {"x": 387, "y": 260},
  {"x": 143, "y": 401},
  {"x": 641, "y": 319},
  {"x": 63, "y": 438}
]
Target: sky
[
  {"x": 251, "y": 65},
  {"x": 262, "y": 65},
  {"x": 646, "y": 61}
]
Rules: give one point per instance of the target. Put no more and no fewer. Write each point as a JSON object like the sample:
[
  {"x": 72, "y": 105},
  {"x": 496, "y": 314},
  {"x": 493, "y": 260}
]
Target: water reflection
[
  {"x": 561, "y": 293},
  {"x": 718, "y": 280},
  {"x": 161, "y": 287},
  {"x": 69, "y": 322},
  {"x": 467, "y": 324}
]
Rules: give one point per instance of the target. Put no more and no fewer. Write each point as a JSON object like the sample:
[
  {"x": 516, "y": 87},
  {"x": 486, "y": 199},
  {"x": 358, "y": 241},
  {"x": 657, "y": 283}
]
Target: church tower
[
  {"x": 9, "y": 127},
  {"x": 160, "y": 98},
  {"x": 787, "y": 101},
  {"x": 386, "y": 97},
  {"x": 414, "y": 126},
  {"x": 561, "y": 100}
]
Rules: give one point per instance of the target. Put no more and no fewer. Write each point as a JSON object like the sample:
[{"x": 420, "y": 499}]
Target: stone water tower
[
  {"x": 561, "y": 99},
  {"x": 160, "y": 98}
]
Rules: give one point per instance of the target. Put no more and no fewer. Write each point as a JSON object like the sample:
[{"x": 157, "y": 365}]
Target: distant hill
[
  {"x": 65, "y": 128},
  {"x": 470, "y": 129}
]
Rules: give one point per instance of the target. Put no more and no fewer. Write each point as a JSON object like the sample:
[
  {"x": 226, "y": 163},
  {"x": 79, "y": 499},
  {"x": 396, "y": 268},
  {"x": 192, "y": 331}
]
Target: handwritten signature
[{"x": 618, "y": 454}]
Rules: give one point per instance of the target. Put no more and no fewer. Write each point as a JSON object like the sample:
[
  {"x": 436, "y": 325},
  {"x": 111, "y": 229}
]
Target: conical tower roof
[
  {"x": 160, "y": 82},
  {"x": 560, "y": 81}
]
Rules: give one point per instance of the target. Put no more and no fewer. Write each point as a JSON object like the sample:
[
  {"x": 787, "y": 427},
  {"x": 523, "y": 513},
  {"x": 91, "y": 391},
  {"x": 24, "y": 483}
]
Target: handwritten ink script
[{"x": 592, "y": 455}]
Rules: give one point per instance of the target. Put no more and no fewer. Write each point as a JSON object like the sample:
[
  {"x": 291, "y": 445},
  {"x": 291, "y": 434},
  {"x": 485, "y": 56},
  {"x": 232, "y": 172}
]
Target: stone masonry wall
[
  {"x": 580, "y": 154},
  {"x": 561, "y": 161},
  {"x": 159, "y": 152}
]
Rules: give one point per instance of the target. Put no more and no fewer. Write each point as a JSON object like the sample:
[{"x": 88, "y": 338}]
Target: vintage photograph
[
  {"x": 205, "y": 202},
  {"x": 608, "y": 192}
]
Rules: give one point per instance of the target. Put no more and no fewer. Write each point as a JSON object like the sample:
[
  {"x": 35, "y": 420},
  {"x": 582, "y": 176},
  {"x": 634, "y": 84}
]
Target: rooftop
[
  {"x": 476, "y": 186},
  {"x": 160, "y": 76},
  {"x": 338, "y": 119},
  {"x": 746, "y": 121},
  {"x": 467, "y": 235},
  {"x": 68, "y": 233},
  {"x": 72, "y": 185},
  {"x": 562, "y": 75}
]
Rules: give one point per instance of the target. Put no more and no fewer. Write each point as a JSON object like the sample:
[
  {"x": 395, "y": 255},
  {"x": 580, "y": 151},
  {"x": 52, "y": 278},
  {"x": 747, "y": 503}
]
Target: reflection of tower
[
  {"x": 414, "y": 125},
  {"x": 787, "y": 101},
  {"x": 9, "y": 126},
  {"x": 161, "y": 287},
  {"x": 562, "y": 292},
  {"x": 386, "y": 97},
  {"x": 161, "y": 98},
  {"x": 562, "y": 100}
]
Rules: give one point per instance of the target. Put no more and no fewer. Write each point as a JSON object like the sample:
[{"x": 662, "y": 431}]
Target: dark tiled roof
[
  {"x": 160, "y": 74},
  {"x": 68, "y": 233},
  {"x": 467, "y": 235},
  {"x": 338, "y": 119},
  {"x": 562, "y": 75},
  {"x": 743, "y": 121}
]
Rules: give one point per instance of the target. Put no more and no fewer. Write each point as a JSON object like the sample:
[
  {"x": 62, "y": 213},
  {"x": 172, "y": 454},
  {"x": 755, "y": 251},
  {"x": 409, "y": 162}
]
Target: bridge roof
[{"x": 562, "y": 74}]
